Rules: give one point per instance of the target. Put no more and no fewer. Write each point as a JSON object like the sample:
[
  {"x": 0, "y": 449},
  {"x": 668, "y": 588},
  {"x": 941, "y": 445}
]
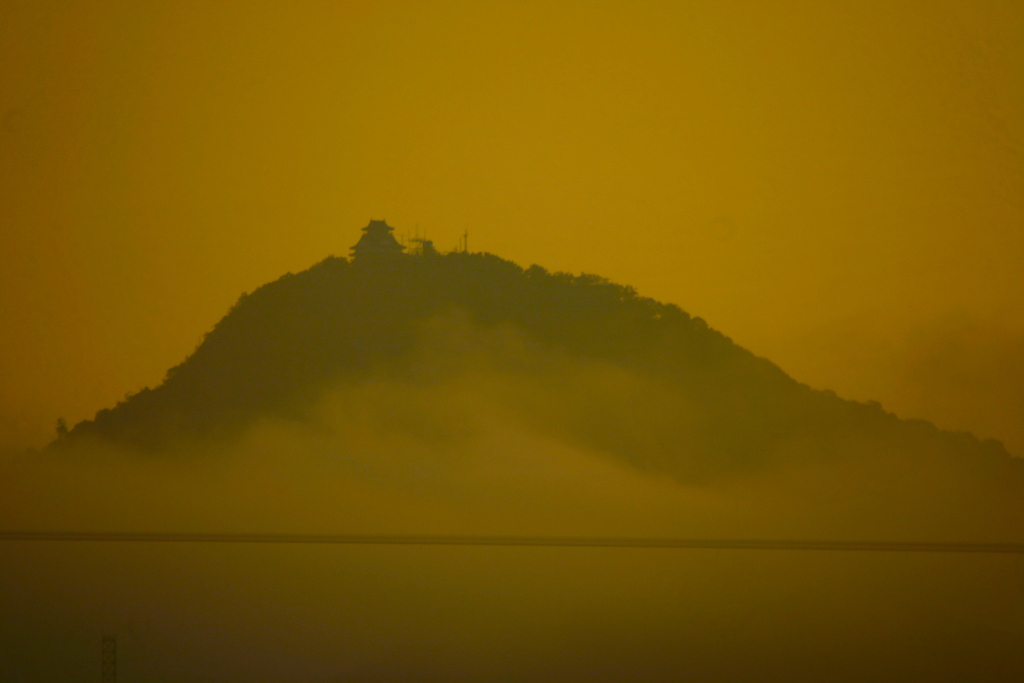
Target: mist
[
  {"x": 836, "y": 185},
  {"x": 487, "y": 433}
]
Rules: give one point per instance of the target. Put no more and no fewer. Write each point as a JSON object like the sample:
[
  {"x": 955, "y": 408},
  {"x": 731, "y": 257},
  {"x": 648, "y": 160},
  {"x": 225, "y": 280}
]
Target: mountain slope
[{"x": 702, "y": 402}]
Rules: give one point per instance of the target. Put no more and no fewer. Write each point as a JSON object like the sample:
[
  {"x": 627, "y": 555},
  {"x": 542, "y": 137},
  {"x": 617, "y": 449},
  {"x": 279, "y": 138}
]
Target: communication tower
[{"x": 108, "y": 659}]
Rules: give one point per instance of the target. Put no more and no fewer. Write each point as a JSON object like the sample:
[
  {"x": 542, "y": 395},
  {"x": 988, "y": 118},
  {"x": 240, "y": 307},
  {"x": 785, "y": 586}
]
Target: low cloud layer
[{"x": 485, "y": 434}]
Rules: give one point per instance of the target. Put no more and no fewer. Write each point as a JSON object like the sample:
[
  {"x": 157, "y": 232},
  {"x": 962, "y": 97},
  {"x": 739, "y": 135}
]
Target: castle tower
[{"x": 376, "y": 242}]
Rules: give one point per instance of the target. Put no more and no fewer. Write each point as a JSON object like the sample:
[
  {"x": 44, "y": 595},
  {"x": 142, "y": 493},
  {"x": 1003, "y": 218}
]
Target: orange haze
[{"x": 837, "y": 186}]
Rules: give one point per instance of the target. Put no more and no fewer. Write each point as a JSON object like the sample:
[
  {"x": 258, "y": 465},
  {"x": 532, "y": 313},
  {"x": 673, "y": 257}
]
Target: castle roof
[
  {"x": 378, "y": 226},
  {"x": 377, "y": 241}
]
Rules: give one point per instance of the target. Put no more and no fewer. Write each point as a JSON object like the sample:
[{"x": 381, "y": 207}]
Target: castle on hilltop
[{"x": 378, "y": 242}]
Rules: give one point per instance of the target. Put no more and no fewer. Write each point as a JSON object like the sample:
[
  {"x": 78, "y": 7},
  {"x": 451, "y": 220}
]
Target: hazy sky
[{"x": 836, "y": 186}]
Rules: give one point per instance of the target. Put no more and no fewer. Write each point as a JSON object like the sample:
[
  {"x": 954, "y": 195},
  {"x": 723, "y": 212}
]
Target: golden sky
[{"x": 836, "y": 186}]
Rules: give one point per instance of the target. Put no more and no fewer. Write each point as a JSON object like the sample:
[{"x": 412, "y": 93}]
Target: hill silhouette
[
  {"x": 687, "y": 401},
  {"x": 459, "y": 395}
]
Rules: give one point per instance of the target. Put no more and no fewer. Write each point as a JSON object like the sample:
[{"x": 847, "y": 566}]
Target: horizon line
[{"x": 519, "y": 541}]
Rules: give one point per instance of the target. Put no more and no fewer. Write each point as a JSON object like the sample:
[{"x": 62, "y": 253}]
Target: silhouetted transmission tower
[{"x": 108, "y": 659}]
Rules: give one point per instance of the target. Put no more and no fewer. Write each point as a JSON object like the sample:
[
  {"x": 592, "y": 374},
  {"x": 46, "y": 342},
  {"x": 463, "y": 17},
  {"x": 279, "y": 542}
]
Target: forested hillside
[{"x": 417, "y": 319}]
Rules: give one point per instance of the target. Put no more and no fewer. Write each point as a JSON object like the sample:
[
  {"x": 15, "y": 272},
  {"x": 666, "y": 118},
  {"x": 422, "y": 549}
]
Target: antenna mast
[{"x": 108, "y": 659}]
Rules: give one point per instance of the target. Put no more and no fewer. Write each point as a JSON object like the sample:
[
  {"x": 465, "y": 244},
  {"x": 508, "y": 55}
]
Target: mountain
[
  {"x": 612, "y": 370},
  {"x": 397, "y": 394}
]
